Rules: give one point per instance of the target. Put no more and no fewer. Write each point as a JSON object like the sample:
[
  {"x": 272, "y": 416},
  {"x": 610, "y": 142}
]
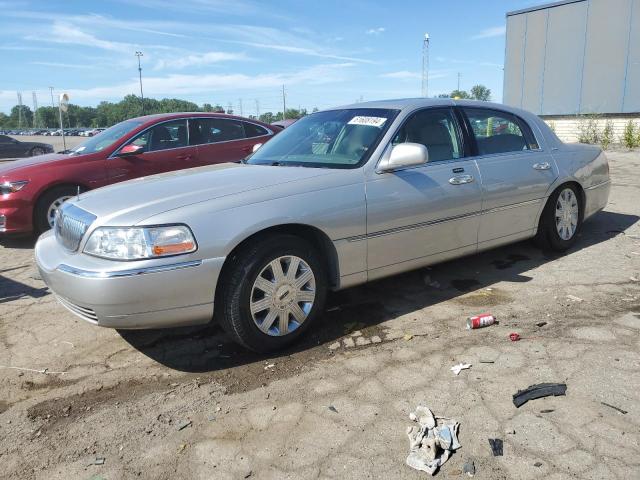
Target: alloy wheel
[
  {"x": 567, "y": 214},
  {"x": 282, "y": 295}
]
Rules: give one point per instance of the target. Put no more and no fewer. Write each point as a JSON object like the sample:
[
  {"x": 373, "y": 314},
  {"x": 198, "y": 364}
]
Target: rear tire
[
  {"x": 561, "y": 219},
  {"x": 47, "y": 205},
  {"x": 264, "y": 307}
]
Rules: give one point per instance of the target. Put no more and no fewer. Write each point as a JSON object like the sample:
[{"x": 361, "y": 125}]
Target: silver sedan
[{"x": 339, "y": 198}]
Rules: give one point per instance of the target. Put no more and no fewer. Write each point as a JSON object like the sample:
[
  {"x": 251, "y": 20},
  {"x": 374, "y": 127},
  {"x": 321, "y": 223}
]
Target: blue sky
[{"x": 220, "y": 51}]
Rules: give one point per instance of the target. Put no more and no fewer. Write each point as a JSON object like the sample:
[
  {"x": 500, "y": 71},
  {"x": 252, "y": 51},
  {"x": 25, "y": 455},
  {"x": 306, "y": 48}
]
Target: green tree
[
  {"x": 24, "y": 120},
  {"x": 480, "y": 92},
  {"x": 459, "y": 94},
  {"x": 267, "y": 117}
]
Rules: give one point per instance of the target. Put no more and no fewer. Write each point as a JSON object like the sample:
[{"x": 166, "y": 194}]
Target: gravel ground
[{"x": 187, "y": 403}]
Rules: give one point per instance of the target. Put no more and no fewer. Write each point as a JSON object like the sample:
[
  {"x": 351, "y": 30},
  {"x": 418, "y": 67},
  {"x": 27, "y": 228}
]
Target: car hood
[
  {"x": 133, "y": 201},
  {"x": 7, "y": 167}
]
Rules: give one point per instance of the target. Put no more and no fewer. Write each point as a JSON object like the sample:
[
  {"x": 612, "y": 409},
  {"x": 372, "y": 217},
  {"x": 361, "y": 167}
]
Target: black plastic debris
[
  {"x": 185, "y": 424},
  {"x": 332, "y": 408},
  {"x": 623, "y": 412},
  {"x": 496, "y": 446},
  {"x": 539, "y": 391}
]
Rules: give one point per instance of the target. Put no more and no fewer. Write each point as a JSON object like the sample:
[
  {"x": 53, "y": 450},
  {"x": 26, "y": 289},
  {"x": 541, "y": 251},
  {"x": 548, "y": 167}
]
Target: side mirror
[
  {"x": 404, "y": 155},
  {"x": 256, "y": 147},
  {"x": 129, "y": 150}
]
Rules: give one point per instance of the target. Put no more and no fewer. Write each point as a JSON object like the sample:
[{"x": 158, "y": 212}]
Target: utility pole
[
  {"x": 284, "y": 104},
  {"x": 52, "y": 102},
  {"x": 425, "y": 65},
  {"x": 458, "y": 81},
  {"x": 230, "y": 108},
  {"x": 35, "y": 109},
  {"x": 257, "y": 109},
  {"x": 19, "y": 109},
  {"x": 139, "y": 54},
  {"x": 240, "y": 107}
]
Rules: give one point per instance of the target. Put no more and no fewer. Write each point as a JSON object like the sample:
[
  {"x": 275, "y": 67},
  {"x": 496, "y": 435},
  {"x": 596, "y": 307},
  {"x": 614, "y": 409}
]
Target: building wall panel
[
  {"x": 514, "y": 52},
  {"x": 534, "y": 55},
  {"x": 603, "y": 76},
  {"x": 574, "y": 58}
]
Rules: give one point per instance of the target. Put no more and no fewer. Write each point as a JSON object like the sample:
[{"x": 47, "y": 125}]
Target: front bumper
[
  {"x": 15, "y": 216},
  {"x": 167, "y": 292}
]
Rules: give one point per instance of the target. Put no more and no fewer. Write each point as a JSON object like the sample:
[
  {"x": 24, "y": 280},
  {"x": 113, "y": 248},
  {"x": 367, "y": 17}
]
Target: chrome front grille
[{"x": 71, "y": 224}]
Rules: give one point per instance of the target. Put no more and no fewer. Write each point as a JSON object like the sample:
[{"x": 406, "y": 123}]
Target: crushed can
[{"x": 480, "y": 321}]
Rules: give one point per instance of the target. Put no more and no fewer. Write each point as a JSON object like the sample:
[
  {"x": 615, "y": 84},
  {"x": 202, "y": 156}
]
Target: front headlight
[
  {"x": 138, "y": 243},
  {"x": 12, "y": 187}
]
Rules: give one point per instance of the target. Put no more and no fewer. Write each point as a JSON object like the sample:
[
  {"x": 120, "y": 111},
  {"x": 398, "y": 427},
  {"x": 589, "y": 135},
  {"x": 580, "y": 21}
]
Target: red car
[{"x": 31, "y": 190}]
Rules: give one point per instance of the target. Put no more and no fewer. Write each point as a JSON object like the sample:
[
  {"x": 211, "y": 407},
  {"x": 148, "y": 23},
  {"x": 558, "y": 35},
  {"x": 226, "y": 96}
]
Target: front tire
[
  {"x": 272, "y": 293},
  {"x": 48, "y": 204},
  {"x": 561, "y": 219},
  {"x": 35, "y": 151}
]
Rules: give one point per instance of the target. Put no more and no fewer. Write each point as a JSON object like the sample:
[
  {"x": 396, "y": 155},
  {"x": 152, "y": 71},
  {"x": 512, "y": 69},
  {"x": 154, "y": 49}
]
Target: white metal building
[{"x": 575, "y": 57}]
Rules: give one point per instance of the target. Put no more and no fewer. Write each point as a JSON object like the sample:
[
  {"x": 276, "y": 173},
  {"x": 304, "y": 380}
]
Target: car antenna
[{"x": 78, "y": 194}]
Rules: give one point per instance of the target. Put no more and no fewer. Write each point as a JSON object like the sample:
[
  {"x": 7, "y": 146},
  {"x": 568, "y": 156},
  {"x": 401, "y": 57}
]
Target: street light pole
[
  {"x": 52, "y": 102},
  {"x": 139, "y": 54}
]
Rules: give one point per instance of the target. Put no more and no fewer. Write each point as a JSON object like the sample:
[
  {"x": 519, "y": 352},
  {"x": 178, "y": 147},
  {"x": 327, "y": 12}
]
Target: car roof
[
  {"x": 413, "y": 103},
  {"x": 147, "y": 119}
]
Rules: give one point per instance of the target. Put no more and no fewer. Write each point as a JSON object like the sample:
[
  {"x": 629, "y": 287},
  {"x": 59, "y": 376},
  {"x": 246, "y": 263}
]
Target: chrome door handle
[
  {"x": 542, "y": 166},
  {"x": 461, "y": 179}
]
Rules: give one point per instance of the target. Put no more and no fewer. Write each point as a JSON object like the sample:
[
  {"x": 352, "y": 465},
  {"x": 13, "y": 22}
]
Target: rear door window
[
  {"x": 499, "y": 132},
  {"x": 215, "y": 130},
  {"x": 252, "y": 130}
]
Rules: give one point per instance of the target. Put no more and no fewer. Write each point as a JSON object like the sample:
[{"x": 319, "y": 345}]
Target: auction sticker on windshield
[{"x": 369, "y": 121}]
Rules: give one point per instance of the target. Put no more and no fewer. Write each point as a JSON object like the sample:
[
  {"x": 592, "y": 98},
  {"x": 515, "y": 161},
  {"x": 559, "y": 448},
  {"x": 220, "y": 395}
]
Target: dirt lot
[{"x": 125, "y": 396}]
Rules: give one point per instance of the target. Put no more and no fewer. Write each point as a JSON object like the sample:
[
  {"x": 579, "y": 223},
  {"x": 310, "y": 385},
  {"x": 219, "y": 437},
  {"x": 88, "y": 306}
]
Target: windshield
[
  {"x": 103, "y": 139},
  {"x": 332, "y": 139}
]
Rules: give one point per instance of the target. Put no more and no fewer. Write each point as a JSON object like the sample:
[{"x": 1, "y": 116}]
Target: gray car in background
[
  {"x": 12, "y": 148},
  {"x": 339, "y": 198}
]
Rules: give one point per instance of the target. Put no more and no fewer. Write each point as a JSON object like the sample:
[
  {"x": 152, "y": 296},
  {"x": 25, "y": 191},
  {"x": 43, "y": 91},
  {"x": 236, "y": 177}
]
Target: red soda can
[{"x": 479, "y": 321}]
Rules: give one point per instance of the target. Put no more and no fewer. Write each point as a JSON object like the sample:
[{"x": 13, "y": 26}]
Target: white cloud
[
  {"x": 375, "y": 31},
  {"x": 177, "y": 85},
  {"x": 275, "y": 39},
  {"x": 490, "y": 32},
  {"x": 66, "y": 33},
  {"x": 64, "y": 65},
  {"x": 407, "y": 75},
  {"x": 402, "y": 75},
  {"x": 468, "y": 62},
  {"x": 198, "y": 60}
]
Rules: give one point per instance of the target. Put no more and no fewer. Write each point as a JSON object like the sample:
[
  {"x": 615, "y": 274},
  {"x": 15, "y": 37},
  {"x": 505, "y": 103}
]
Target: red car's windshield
[{"x": 106, "y": 138}]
